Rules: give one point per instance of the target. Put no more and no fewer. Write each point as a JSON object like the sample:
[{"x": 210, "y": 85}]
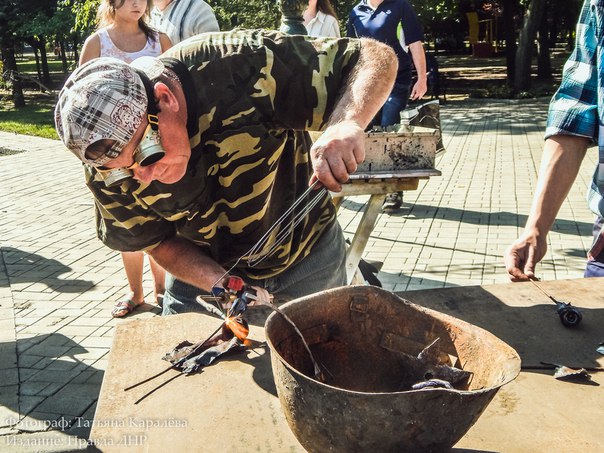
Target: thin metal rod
[
  {"x": 195, "y": 349},
  {"x": 157, "y": 388},
  {"x": 149, "y": 378},
  {"x": 262, "y": 241},
  {"x": 543, "y": 291}
]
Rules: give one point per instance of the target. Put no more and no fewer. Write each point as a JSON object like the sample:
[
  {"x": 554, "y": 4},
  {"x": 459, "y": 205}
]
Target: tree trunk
[
  {"x": 76, "y": 57},
  {"x": 34, "y": 45},
  {"x": 524, "y": 55},
  {"x": 10, "y": 64},
  {"x": 63, "y": 55},
  {"x": 509, "y": 10},
  {"x": 544, "y": 64},
  {"x": 43, "y": 55}
]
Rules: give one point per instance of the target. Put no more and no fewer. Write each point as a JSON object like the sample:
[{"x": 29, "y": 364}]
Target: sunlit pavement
[{"x": 58, "y": 282}]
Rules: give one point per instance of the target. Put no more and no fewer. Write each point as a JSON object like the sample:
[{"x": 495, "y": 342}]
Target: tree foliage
[{"x": 63, "y": 23}]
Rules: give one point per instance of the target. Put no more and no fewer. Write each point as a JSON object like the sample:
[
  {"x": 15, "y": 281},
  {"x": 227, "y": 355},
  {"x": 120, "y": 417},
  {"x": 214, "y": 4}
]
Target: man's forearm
[
  {"x": 368, "y": 86},
  {"x": 560, "y": 164},
  {"x": 186, "y": 262},
  {"x": 418, "y": 56}
]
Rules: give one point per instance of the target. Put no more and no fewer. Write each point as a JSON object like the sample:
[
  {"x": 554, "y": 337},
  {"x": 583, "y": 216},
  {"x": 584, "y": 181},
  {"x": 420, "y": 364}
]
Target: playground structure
[{"x": 481, "y": 36}]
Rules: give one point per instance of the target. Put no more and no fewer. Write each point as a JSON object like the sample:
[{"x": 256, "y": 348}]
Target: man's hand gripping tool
[{"x": 234, "y": 295}]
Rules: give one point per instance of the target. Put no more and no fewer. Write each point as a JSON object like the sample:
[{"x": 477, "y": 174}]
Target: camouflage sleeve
[
  {"x": 124, "y": 221},
  {"x": 291, "y": 82}
]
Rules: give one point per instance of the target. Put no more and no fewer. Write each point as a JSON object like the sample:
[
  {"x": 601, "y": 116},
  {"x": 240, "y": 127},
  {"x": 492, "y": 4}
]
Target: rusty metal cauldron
[{"x": 358, "y": 334}]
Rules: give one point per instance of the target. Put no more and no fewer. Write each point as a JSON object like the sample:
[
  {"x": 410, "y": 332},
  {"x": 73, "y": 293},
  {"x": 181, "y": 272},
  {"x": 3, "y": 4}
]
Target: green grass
[
  {"x": 36, "y": 118},
  {"x": 29, "y": 66}
]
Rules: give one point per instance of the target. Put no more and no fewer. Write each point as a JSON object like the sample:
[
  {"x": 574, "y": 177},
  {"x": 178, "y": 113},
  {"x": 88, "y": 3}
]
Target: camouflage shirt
[{"x": 250, "y": 95}]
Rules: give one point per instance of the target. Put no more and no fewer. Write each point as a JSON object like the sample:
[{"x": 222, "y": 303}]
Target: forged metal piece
[
  {"x": 432, "y": 384},
  {"x": 564, "y": 372},
  {"x": 427, "y": 366},
  {"x": 208, "y": 356},
  {"x": 569, "y": 315}
]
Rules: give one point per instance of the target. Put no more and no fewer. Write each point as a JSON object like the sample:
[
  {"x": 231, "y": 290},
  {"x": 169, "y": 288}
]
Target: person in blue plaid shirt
[{"x": 576, "y": 115}]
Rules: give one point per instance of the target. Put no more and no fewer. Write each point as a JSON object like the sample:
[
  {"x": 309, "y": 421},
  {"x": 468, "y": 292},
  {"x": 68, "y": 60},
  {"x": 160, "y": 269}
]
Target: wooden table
[
  {"x": 232, "y": 405},
  {"x": 377, "y": 185}
]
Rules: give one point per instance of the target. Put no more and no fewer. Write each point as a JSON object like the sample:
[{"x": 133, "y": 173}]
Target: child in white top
[{"x": 123, "y": 33}]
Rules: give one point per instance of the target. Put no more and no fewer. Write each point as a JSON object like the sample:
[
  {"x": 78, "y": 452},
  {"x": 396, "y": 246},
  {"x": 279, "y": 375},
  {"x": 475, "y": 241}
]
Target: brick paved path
[{"x": 58, "y": 282}]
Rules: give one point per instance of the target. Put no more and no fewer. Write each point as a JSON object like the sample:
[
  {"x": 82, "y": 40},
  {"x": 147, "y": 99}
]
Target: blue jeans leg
[
  {"x": 324, "y": 268},
  {"x": 179, "y": 297},
  {"x": 595, "y": 264},
  {"x": 397, "y": 101}
]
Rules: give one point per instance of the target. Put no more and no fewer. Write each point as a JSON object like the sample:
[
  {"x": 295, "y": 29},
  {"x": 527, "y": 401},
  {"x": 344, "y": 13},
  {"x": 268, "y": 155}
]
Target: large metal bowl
[{"x": 358, "y": 334}]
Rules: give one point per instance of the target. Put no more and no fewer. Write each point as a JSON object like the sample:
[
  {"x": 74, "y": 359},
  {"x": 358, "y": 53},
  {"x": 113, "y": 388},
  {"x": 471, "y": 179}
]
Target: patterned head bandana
[{"x": 104, "y": 98}]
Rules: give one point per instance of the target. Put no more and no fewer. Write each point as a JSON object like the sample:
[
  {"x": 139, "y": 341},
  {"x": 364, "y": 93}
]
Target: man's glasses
[{"x": 148, "y": 152}]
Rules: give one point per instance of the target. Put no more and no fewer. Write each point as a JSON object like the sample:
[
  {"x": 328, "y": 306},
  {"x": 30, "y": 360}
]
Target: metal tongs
[
  {"x": 230, "y": 335},
  {"x": 234, "y": 297}
]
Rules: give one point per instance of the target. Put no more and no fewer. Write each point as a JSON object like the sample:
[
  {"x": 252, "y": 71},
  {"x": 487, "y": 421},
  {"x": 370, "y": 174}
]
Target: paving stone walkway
[{"x": 58, "y": 282}]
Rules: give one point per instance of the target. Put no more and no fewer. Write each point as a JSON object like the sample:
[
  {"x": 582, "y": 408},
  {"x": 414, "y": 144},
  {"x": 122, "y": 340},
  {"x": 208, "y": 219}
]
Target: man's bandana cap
[{"x": 103, "y": 99}]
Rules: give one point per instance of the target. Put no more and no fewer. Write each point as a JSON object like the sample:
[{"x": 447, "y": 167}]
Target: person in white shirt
[
  {"x": 181, "y": 19},
  {"x": 321, "y": 20}
]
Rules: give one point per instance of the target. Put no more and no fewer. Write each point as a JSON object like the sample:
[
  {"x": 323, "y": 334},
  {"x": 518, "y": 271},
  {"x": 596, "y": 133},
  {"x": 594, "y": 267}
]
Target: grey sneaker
[{"x": 393, "y": 201}]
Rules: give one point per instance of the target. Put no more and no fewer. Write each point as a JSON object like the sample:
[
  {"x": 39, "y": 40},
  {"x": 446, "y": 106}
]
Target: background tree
[
  {"x": 65, "y": 36},
  {"x": 245, "y": 14},
  {"x": 526, "y": 42},
  {"x": 544, "y": 62},
  {"x": 34, "y": 30},
  {"x": 10, "y": 21},
  {"x": 443, "y": 23}
]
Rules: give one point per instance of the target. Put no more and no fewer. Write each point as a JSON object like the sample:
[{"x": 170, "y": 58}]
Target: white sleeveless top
[{"x": 109, "y": 49}]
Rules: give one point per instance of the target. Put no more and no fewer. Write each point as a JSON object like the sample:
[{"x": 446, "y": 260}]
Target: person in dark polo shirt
[{"x": 395, "y": 23}]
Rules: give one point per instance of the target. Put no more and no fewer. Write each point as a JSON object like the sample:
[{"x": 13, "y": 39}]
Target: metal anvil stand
[
  {"x": 384, "y": 172},
  {"x": 377, "y": 186}
]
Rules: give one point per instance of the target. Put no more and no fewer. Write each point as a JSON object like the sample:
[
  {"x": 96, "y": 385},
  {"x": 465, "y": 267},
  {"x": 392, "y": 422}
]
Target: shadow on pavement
[
  {"x": 23, "y": 267},
  {"x": 499, "y": 218},
  {"x": 54, "y": 388}
]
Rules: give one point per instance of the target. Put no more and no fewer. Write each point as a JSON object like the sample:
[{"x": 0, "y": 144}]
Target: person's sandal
[{"x": 124, "y": 307}]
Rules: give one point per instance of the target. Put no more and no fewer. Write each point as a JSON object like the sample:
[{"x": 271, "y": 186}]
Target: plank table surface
[{"x": 232, "y": 405}]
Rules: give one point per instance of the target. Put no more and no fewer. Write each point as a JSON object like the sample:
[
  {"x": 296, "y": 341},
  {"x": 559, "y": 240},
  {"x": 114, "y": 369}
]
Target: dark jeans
[
  {"x": 323, "y": 268},
  {"x": 397, "y": 101},
  {"x": 595, "y": 260}
]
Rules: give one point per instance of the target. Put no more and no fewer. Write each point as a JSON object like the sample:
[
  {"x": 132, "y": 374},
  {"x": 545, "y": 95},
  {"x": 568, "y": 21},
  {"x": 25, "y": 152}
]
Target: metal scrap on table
[
  {"x": 564, "y": 372},
  {"x": 429, "y": 371},
  {"x": 231, "y": 335}
]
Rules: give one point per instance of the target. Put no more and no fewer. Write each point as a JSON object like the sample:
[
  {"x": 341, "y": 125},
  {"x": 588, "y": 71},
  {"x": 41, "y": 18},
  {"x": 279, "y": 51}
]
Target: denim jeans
[
  {"x": 397, "y": 101},
  {"x": 595, "y": 262},
  {"x": 323, "y": 268}
]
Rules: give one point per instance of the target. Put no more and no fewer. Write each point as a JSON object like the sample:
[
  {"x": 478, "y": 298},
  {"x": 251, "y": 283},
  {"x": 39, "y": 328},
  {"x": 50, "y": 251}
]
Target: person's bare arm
[
  {"x": 419, "y": 61},
  {"x": 91, "y": 49},
  {"x": 342, "y": 146},
  {"x": 562, "y": 157},
  {"x": 164, "y": 42},
  {"x": 185, "y": 261}
]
